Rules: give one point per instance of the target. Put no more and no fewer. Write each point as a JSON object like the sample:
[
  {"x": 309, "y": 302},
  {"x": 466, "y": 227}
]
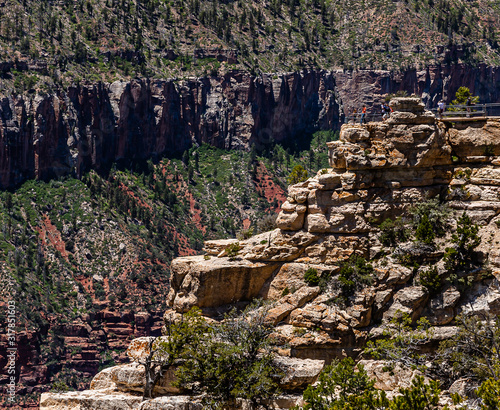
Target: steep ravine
[{"x": 91, "y": 126}]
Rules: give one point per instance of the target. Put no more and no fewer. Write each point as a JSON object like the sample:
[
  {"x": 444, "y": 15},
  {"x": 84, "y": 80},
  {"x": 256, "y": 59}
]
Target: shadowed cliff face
[{"x": 92, "y": 126}]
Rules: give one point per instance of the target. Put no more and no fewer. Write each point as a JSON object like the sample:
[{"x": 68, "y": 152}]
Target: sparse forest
[{"x": 49, "y": 44}]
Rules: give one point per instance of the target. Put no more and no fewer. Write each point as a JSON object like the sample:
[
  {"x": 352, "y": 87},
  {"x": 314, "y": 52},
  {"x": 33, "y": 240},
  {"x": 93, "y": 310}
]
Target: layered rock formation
[
  {"x": 378, "y": 171},
  {"x": 91, "y": 126}
]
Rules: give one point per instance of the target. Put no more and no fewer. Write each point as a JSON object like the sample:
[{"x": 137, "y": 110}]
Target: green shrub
[
  {"x": 431, "y": 280},
  {"x": 489, "y": 392},
  {"x": 245, "y": 233},
  {"x": 419, "y": 396},
  {"x": 465, "y": 240},
  {"x": 354, "y": 275},
  {"x": 436, "y": 212},
  {"x": 393, "y": 232},
  {"x": 311, "y": 277},
  {"x": 342, "y": 385},
  {"x": 298, "y": 174},
  {"x": 424, "y": 232},
  {"x": 233, "y": 249}
]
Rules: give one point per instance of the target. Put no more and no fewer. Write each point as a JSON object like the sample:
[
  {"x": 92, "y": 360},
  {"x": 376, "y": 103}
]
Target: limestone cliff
[
  {"x": 93, "y": 125},
  {"x": 378, "y": 171}
]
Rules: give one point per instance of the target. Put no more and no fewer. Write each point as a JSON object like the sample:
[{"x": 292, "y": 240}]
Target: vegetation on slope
[
  {"x": 75, "y": 247},
  {"x": 54, "y": 43}
]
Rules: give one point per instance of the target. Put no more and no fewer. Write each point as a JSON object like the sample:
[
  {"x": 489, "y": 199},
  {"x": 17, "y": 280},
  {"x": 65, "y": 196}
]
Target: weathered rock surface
[
  {"x": 379, "y": 171},
  {"x": 214, "y": 283},
  {"x": 89, "y": 399}
]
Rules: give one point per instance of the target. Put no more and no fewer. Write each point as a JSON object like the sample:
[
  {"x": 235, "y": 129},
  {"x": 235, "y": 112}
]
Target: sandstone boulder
[
  {"x": 103, "y": 380},
  {"x": 290, "y": 221},
  {"x": 299, "y": 373},
  {"x": 215, "y": 283}
]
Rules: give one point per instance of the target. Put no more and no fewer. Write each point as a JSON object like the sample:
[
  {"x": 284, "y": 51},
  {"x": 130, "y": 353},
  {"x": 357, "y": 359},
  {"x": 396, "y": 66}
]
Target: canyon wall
[
  {"x": 378, "y": 171},
  {"x": 92, "y": 126}
]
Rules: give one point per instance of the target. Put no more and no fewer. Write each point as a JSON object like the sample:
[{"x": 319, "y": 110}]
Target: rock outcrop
[{"x": 377, "y": 171}]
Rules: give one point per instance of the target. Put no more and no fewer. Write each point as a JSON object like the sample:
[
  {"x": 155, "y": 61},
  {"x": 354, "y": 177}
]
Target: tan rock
[
  {"x": 473, "y": 140},
  {"x": 411, "y": 118},
  {"x": 407, "y": 104},
  {"x": 131, "y": 378},
  {"x": 103, "y": 381},
  {"x": 317, "y": 223},
  {"x": 299, "y": 373},
  {"x": 397, "y": 275},
  {"x": 354, "y": 134},
  {"x": 360, "y": 315},
  {"x": 216, "y": 282},
  {"x": 382, "y": 297},
  {"x": 408, "y": 300},
  {"x": 280, "y": 246},
  {"x": 290, "y": 221},
  {"x": 89, "y": 399},
  {"x": 289, "y": 279},
  {"x": 329, "y": 180},
  {"x": 288, "y": 207},
  {"x": 290, "y": 302},
  {"x": 298, "y": 192},
  {"x": 485, "y": 176}
]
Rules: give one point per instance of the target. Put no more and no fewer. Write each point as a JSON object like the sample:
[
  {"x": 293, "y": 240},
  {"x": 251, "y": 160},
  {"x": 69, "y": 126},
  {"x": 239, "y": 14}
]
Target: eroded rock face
[
  {"x": 93, "y": 125},
  {"x": 217, "y": 282},
  {"x": 378, "y": 171}
]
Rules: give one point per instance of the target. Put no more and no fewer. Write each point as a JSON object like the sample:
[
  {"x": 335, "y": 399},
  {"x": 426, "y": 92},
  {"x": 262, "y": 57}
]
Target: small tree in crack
[{"x": 165, "y": 352}]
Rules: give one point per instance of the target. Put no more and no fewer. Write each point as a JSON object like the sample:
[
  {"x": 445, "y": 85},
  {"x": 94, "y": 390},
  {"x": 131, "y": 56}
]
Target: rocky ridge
[{"x": 378, "y": 171}]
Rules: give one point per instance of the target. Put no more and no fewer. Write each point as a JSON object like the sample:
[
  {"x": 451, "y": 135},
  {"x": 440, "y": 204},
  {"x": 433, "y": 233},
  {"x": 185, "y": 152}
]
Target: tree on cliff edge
[
  {"x": 165, "y": 352},
  {"x": 228, "y": 360},
  {"x": 235, "y": 360}
]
